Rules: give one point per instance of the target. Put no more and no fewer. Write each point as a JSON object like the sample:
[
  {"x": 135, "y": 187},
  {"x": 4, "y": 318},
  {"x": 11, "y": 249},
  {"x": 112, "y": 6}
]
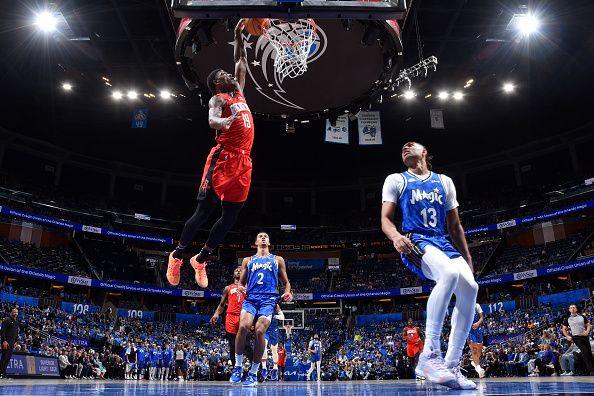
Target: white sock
[
  {"x": 255, "y": 367},
  {"x": 238, "y": 360}
]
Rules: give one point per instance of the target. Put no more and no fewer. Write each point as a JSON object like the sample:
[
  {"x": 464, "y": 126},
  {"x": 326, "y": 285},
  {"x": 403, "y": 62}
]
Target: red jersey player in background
[
  {"x": 414, "y": 344},
  {"x": 228, "y": 169},
  {"x": 233, "y": 297},
  {"x": 282, "y": 356}
]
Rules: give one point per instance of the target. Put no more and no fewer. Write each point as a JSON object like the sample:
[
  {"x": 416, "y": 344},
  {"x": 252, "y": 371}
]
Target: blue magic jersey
[
  {"x": 423, "y": 205},
  {"x": 317, "y": 346},
  {"x": 262, "y": 275}
]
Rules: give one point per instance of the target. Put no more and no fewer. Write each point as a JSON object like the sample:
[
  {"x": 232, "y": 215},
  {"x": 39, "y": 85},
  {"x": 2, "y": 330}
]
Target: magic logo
[
  {"x": 433, "y": 196},
  {"x": 264, "y": 266}
]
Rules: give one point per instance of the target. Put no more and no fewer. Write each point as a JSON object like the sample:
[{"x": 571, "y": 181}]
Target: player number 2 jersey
[{"x": 262, "y": 275}]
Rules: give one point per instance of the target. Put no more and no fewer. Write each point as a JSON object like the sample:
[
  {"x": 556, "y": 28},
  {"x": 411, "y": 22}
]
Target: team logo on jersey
[
  {"x": 264, "y": 266},
  {"x": 433, "y": 196}
]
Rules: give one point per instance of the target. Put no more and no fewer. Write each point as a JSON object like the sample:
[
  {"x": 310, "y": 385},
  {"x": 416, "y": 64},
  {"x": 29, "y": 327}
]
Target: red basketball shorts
[
  {"x": 227, "y": 172},
  {"x": 232, "y": 324}
]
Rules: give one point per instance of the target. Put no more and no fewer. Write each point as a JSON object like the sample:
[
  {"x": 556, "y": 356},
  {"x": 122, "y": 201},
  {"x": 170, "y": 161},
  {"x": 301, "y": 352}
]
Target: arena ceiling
[{"x": 131, "y": 43}]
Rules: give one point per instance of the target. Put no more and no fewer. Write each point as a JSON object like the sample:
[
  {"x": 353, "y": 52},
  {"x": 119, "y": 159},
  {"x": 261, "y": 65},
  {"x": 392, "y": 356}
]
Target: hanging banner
[
  {"x": 436, "y": 116},
  {"x": 370, "y": 130},
  {"x": 338, "y": 133},
  {"x": 140, "y": 118}
]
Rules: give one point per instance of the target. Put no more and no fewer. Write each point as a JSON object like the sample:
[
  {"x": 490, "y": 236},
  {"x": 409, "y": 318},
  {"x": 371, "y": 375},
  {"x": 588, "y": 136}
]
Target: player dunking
[
  {"x": 315, "y": 356},
  {"x": 261, "y": 272},
  {"x": 233, "y": 297},
  {"x": 475, "y": 340},
  {"x": 428, "y": 203},
  {"x": 414, "y": 344},
  {"x": 228, "y": 169}
]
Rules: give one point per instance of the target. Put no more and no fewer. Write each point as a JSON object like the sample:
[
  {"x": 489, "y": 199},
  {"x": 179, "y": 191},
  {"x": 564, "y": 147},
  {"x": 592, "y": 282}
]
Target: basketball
[{"x": 256, "y": 26}]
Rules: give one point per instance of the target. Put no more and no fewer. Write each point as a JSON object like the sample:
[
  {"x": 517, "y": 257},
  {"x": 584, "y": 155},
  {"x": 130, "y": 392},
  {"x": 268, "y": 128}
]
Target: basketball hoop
[{"x": 293, "y": 41}]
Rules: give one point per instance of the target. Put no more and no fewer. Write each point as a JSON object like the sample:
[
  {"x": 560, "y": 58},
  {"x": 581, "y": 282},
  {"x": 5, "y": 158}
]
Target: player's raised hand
[
  {"x": 402, "y": 244},
  {"x": 214, "y": 319}
]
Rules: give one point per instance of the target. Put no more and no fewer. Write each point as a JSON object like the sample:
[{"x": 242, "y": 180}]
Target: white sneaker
[
  {"x": 463, "y": 382},
  {"x": 480, "y": 371},
  {"x": 533, "y": 374},
  {"x": 432, "y": 367},
  {"x": 554, "y": 374},
  {"x": 569, "y": 373}
]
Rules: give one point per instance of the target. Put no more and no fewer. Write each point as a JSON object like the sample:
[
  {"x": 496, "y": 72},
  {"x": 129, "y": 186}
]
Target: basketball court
[{"x": 486, "y": 387}]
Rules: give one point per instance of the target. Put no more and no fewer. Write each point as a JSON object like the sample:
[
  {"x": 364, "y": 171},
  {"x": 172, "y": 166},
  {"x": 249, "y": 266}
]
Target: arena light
[
  {"x": 46, "y": 21},
  {"x": 117, "y": 95},
  {"x": 408, "y": 95},
  {"x": 443, "y": 95},
  {"x": 165, "y": 94},
  {"x": 508, "y": 87},
  {"x": 527, "y": 24},
  {"x": 132, "y": 94},
  {"x": 458, "y": 95},
  {"x": 67, "y": 87}
]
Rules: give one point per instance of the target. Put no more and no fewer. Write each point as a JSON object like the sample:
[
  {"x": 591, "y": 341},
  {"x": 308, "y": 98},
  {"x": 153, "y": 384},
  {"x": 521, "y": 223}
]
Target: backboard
[{"x": 350, "y": 64}]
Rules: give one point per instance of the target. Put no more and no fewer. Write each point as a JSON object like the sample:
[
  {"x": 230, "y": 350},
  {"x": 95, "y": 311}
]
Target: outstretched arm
[
  {"x": 221, "y": 306},
  {"x": 282, "y": 273},
  {"x": 240, "y": 55}
]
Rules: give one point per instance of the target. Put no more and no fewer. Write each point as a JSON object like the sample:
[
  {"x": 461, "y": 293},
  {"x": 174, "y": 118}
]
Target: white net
[{"x": 293, "y": 41}]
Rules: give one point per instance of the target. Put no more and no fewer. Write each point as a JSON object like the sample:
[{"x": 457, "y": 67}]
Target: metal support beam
[{"x": 317, "y": 9}]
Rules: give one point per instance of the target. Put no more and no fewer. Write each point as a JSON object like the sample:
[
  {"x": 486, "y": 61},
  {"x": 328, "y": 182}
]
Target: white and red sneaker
[
  {"x": 432, "y": 367},
  {"x": 463, "y": 382}
]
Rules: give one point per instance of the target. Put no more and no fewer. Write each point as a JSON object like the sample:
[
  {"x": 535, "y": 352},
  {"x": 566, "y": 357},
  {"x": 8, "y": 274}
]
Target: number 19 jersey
[{"x": 262, "y": 275}]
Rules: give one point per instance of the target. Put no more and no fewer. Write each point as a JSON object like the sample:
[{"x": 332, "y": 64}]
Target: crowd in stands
[
  {"x": 60, "y": 260},
  {"x": 522, "y": 258},
  {"x": 532, "y": 344}
]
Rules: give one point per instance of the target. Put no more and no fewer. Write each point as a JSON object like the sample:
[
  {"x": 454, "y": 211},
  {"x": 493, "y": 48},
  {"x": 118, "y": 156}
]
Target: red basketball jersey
[
  {"x": 282, "y": 355},
  {"x": 234, "y": 300},
  {"x": 240, "y": 134},
  {"x": 412, "y": 335}
]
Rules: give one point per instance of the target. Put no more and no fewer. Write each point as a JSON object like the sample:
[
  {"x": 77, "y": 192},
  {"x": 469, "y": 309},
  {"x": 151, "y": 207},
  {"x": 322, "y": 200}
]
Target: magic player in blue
[
  {"x": 315, "y": 356},
  {"x": 475, "y": 340},
  {"x": 271, "y": 338},
  {"x": 428, "y": 204},
  {"x": 167, "y": 361},
  {"x": 261, "y": 273}
]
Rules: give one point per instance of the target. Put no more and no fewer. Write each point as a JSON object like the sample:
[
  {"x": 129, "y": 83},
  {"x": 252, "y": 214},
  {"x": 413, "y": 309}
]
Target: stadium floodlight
[
  {"x": 528, "y": 24},
  {"x": 117, "y": 95},
  {"x": 132, "y": 94},
  {"x": 409, "y": 94},
  {"x": 165, "y": 94},
  {"x": 46, "y": 21},
  {"x": 457, "y": 95},
  {"x": 67, "y": 86},
  {"x": 443, "y": 95},
  {"x": 508, "y": 87}
]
